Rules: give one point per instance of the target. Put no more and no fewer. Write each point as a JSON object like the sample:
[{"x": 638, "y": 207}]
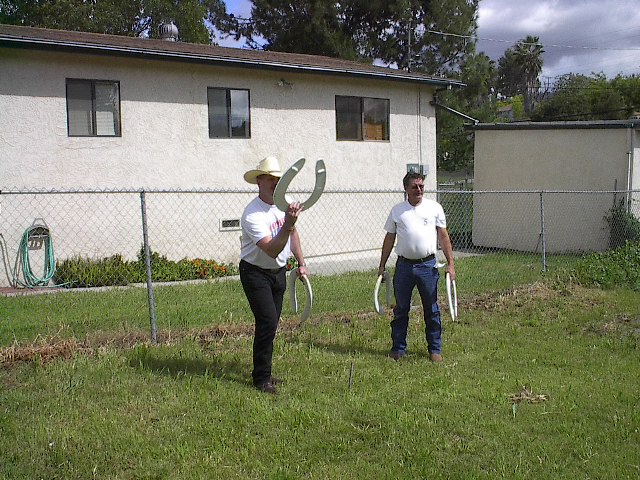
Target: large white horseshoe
[
  {"x": 280, "y": 198},
  {"x": 293, "y": 276},
  {"x": 376, "y": 303},
  {"x": 453, "y": 301}
]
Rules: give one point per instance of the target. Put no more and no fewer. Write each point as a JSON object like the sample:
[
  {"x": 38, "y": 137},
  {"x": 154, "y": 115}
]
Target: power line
[{"x": 537, "y": 44}]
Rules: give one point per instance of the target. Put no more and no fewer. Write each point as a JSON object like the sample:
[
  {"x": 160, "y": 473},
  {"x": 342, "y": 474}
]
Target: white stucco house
[
  {"x": 584, "y": 157},
  {"x": 83, "y": 111}
]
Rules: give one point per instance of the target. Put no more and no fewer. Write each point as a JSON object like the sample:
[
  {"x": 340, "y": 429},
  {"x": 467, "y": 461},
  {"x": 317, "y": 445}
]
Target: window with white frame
[
  {"x": 93, "y": 108},
  {"x": 229, "y": 113},
  {"x": 362, "y": 118}
]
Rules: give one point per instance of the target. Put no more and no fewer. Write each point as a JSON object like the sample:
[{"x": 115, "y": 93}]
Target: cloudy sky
[{"x": 578, "y": 36}]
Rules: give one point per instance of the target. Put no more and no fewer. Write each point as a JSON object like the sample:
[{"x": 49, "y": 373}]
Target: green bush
[
  {"x": 77, "y": 272},
  {"x": 624, "y": 226},
  {"x": 614, "y": 268}
]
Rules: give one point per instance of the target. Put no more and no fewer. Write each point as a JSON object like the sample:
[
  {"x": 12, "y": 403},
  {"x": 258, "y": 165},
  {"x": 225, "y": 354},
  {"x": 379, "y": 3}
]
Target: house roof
[
  {"x": 574, "y": 125},
  {"x": 117, "y": 45}
]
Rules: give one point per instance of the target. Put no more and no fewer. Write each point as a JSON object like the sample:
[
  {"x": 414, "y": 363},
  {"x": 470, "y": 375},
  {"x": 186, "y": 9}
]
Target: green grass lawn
[{"x": 108, "y": 404}]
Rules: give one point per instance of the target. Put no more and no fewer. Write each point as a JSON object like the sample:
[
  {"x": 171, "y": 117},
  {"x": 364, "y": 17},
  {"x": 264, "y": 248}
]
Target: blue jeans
[{"x": 407, "y": 276}]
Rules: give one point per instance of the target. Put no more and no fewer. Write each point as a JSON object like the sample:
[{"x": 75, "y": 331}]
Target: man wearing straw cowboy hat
[
  {"x": 269, "y": 237},
  {"x": 418, "y": 224}
]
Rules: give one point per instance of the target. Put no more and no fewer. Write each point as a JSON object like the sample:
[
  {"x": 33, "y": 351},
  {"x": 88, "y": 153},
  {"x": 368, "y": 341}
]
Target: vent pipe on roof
[{"x": 168, "y": 32}]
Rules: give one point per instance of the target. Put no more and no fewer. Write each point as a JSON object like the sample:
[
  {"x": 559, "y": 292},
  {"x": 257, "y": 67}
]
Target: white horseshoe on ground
[
  {"x": 376, "y": 303},
  {"x": 280, "y": 198},
  {"x": 293, "y": 276},
  {"x": 453, "y": 301}
]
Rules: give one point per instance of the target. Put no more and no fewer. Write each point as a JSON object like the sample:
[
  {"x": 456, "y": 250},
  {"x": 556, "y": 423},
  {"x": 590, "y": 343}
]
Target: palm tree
[{"x": 528, "y": 55}]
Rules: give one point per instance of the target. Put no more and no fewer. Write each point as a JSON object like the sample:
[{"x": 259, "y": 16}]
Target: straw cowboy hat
[{"x": 267, "y": 166}]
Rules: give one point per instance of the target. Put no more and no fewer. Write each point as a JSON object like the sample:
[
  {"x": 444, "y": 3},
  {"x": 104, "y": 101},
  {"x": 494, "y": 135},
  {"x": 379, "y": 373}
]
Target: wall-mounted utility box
[{"x": 417, "y": 168}]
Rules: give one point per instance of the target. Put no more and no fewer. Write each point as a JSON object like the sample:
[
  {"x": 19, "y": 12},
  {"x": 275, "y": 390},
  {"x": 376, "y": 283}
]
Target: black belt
[
  {"x": 267, "y": 270},
  {"x": 414, "y": 261}
]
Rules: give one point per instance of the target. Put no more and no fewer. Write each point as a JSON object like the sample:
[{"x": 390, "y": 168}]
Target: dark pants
[{"x": 264, "y": 290}]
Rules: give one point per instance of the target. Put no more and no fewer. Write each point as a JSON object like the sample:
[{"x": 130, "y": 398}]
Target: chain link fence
[{"x": 79, "y": 240}]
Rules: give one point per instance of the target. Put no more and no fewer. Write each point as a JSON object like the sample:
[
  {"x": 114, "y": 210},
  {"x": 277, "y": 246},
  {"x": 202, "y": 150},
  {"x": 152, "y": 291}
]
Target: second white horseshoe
[
  {"x": 293, "y": 276},
  {"x": 452, "y": 295},
  {"x": 376, "y": 303},
  {"x": 280, "y": 198}
]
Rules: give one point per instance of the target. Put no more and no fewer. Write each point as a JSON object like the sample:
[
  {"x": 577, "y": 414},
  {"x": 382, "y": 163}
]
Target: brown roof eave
[{"x": 175, "y": 54}]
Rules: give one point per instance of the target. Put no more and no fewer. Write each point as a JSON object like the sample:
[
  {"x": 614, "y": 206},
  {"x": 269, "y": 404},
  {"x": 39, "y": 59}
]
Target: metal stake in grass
[{"x": 353, "y": 368}]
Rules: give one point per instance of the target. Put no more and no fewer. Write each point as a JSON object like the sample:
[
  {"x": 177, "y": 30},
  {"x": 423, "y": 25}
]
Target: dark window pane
[
  {"x": 107, "y": 108},
  {"x": 79, "y": 108},
  {"x": 240, "y": 113},
  {"x": 376, "y": 119},
  {"x": 348, "y": 118},
  {"x": 218, "y": 124}
]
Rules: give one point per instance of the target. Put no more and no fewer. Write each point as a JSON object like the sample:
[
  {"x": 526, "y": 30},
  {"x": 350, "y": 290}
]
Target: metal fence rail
[{"x": 343, "y": 232}]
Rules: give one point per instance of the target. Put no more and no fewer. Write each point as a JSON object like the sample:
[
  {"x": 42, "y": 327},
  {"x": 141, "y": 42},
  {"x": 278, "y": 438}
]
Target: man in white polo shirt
[
  {"x": 418, "y": 224},
  {"x": 269, "y": 237}
]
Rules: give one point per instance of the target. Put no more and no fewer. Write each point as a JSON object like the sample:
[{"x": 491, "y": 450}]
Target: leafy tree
[
  {"x": 629, "y": 88},
  {"x": 578, "y": 97},
  {"x": 479, "y": 75},
  {"x": 477, "y": 100},
  {"x": 454, "y": 150},
  {"x": 133, "y": 18},
  {"x": 427, "y": 36},
  {"x": 510, "y": 77},
  {"x": 304, "y": 26},
  {"x": 406, "y": 33},
  {"x": 528, "y": 56}
]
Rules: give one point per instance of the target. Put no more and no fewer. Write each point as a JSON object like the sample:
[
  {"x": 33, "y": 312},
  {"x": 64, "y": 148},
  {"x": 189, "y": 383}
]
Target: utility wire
[{"x": 538, "y": 44}]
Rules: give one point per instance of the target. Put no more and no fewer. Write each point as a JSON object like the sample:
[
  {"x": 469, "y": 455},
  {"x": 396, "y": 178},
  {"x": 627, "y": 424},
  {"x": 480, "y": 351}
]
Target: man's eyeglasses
[{"x": 417, "y": 187}]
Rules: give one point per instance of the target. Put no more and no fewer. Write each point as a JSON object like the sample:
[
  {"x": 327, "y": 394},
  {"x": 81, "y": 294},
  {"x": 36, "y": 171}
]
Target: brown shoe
[
  {"x": 267, "y": 387},
  {"x": 435, "y": 357}
]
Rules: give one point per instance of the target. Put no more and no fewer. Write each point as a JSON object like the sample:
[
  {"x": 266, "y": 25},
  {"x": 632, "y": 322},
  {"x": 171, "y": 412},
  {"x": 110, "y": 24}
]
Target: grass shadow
[{"x": 234, "y": 371}]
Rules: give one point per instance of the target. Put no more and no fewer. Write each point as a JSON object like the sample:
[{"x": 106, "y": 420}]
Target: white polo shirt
[
  {"x": 260, "y": 220},
  {"x": 415, "y": 227}
]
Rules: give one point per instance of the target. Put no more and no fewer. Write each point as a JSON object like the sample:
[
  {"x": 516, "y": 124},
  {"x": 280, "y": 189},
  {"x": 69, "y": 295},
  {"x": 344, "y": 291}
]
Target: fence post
[
  {"x": 147, "y": 262},
  {"x": 542, "y": 233}
]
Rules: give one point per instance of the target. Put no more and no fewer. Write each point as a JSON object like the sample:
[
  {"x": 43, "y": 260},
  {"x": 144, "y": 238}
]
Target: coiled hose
[{"x": 39, "y": 234}]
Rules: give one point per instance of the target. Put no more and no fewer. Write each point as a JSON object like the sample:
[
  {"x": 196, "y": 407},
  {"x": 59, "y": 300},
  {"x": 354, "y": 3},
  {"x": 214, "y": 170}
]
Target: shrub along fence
[{"x": 74, "y": 240}]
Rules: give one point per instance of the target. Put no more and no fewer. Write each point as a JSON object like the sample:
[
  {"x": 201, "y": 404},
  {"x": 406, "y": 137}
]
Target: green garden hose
[{"x": 41, "y": 235}]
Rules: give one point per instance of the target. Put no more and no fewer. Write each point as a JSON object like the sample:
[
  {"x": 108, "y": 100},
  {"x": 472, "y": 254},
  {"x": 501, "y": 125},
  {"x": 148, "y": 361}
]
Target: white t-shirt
[
  {"x": 260, "y": 220},
  {"x": 415, "y": 227}
]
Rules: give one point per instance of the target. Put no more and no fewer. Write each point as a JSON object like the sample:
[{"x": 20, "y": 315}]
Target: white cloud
[{"x": 578, "y": 36}]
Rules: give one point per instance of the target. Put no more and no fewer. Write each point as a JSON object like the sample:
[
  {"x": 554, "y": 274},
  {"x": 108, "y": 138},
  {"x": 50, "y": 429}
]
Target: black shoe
[
  {"x": 396, "y": 355},
  {"x": 267, "y": 387},
  {"x": 276, "y": 381}
]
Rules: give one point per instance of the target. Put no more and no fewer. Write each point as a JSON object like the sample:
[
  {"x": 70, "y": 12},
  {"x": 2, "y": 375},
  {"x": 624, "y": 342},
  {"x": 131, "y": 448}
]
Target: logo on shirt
[{"x": 276, "y": 227}]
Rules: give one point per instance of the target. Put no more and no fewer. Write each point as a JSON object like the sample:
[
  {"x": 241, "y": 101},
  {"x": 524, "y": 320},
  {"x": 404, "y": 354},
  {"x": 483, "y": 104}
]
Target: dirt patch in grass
[
  {"x": 507, "y": 299},
  {"x": 625, "y": 325},
  {"x": 44, "y": 350}
]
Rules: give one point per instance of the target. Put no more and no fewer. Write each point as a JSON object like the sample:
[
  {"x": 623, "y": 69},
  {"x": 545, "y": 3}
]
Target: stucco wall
[
  {"x": 165, "y": 145},
  {"x": 165, "y": 141},
  {"x": 543, "y": 160}
]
